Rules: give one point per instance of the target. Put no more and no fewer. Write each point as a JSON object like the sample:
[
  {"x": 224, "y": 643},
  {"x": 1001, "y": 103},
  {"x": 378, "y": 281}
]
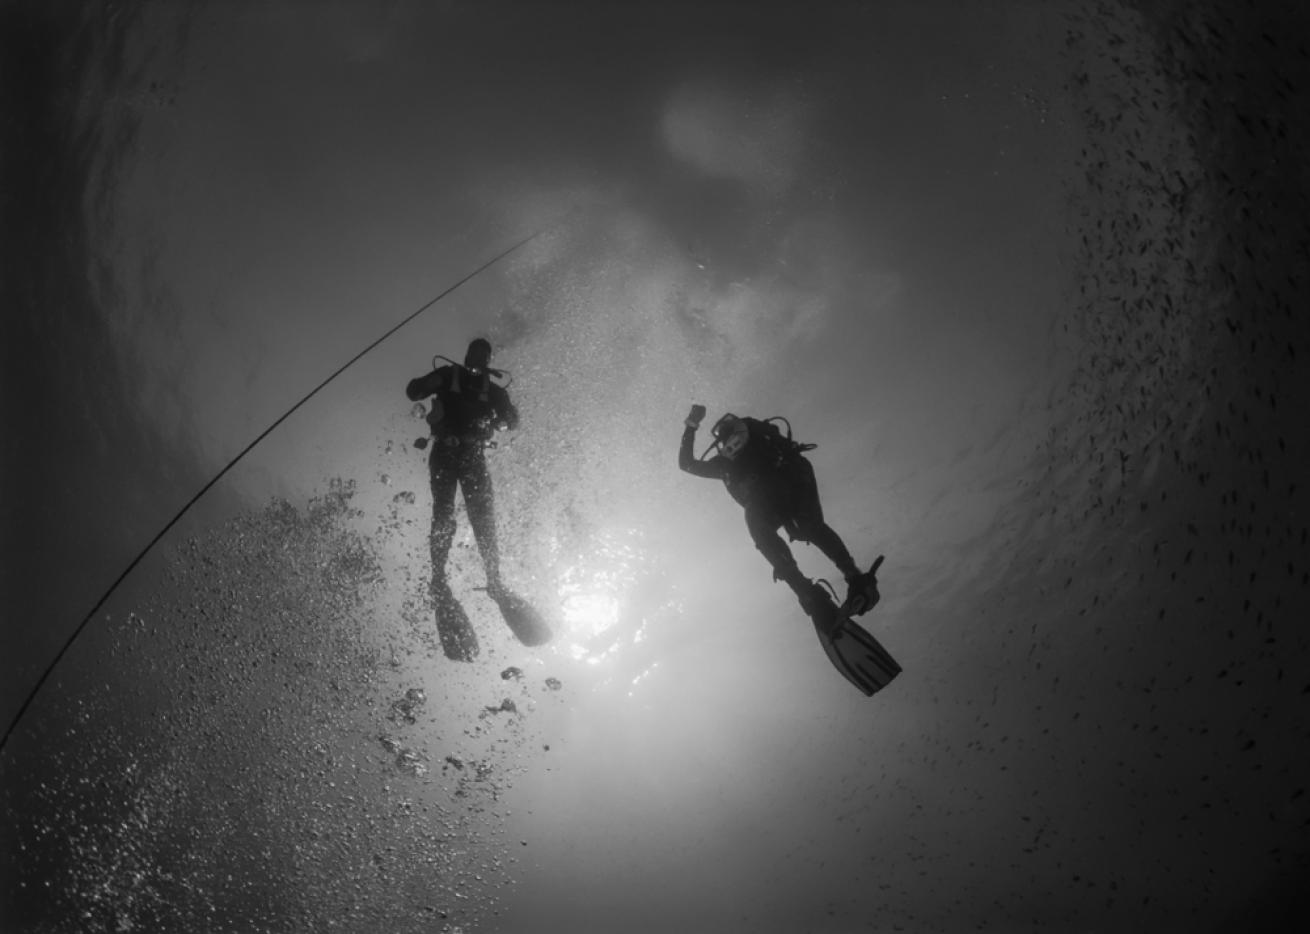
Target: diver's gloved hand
[{"x": 695, "y": 416}]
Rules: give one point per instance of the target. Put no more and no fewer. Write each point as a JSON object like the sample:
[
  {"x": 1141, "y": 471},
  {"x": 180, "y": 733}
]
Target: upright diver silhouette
[{"x": 468, "y": 409}]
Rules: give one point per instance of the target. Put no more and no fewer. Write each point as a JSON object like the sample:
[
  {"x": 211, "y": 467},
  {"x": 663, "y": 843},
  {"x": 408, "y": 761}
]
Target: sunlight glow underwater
[{"x": 592, "y": 593}]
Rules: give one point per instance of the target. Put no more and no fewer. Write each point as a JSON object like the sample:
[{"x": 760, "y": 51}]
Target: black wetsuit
[
  {"x": 470, "y": 406},
  {"x": 776, "y": 485}
]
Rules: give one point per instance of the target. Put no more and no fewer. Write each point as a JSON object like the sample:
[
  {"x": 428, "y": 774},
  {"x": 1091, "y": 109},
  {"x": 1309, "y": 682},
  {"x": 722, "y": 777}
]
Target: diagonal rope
[{"x": 68, "y": 644}]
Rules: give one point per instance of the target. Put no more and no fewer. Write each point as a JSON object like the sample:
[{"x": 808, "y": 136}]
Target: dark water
[{"x": 1104, "y": 716}]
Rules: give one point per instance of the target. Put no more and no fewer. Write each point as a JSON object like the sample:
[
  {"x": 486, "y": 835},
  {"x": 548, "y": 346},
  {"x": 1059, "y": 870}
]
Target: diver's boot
[
  {"x": 862, "y": 590},
  {"x": 812, "y": 596},
  {"x": 817, "y": 605}
]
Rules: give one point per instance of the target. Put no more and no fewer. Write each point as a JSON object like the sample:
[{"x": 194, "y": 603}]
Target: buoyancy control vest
[
  {"x": 768, "y": 459},
  {"x": 479, "y": 387},
  {"x": 462, "y": 405}
]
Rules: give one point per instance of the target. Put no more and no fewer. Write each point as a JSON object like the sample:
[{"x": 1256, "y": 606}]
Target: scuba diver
[
  {"x": 767, "y": 474},
  {"x": 468, "y": 408}
]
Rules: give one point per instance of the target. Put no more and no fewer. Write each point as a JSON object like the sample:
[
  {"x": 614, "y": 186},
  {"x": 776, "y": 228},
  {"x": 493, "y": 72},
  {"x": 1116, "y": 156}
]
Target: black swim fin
[
  {"x": 859, "y": 657},
  {"x": 458, "y": 640},
  {"x": 522, "y": 618}
]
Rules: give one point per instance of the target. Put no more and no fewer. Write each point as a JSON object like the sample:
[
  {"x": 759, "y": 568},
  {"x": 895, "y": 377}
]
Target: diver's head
[
  {"x": 731, "y": 434},
  {"x": 478, "y": 355}
]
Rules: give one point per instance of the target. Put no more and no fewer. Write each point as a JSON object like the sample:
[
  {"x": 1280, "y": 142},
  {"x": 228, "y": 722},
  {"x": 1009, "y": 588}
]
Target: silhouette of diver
[
  {"x": 767, "y": 474},
  {"x": 467, "y": 411}
]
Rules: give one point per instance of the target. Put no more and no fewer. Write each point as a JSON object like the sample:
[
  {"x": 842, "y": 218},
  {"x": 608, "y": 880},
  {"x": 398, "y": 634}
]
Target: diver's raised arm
[{"x": 712, "y": 469}]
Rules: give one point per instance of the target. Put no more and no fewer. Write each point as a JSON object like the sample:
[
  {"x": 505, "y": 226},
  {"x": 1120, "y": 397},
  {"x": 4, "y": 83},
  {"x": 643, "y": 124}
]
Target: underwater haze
[{"x": 1032, "y": 276}]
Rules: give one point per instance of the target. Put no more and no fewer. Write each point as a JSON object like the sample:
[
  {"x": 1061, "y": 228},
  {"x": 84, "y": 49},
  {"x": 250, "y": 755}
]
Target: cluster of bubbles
[{"x": 249, "y": 752}]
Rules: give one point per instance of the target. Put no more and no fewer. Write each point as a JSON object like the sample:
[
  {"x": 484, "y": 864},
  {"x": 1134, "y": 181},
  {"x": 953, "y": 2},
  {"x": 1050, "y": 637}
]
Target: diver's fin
[
  {"x": 458, "y": 640},
  {"x": 859, "y": 657},
  {"x": 521, "y": 617}
]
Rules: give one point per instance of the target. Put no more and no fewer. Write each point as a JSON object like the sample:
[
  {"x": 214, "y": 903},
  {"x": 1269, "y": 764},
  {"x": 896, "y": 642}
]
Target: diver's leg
[
  {"x": 821, "y": 535},
  {"x": 807, "y": 524},
  {"x": 475, "y": 481},
  {"x": 443, "y": 479},
  {"x": 764, "y": 533},
  {"x": 458, "y": 640},
  {"x": 813, "y": 598},
  {"x": 861, "y": 587},
  {"x": 523, "y": 620},
  {"x": 806, "y": 521}
]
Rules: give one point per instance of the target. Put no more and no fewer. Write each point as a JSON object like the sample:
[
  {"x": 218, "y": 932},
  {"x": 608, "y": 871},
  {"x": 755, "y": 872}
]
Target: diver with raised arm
[{"x": 768, "y": 474}]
